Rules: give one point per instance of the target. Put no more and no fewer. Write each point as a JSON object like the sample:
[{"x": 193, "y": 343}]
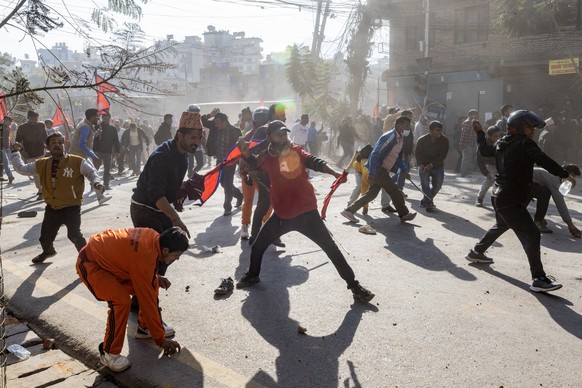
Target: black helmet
[
  {"x": 521, "y": 117},
  {"x": 261, "y": 116}
]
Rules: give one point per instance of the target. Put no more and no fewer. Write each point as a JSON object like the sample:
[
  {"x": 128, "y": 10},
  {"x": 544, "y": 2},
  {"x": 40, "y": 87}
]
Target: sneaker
[
  {"x": 349, "y": 215},
  {"x": 388, "y": 209},
  {"x": 244, "y": 232},
  {"x": 227, "y": 213},
  {"x": 43, "y": 256},
  {"x": 279, "y": 243},
  {"x": 408, "y": 217},
  {"x": 543, "y": 228},
  {"x": 476, "y": 257},
  {"x": 10, "y": 180},
  {"x": 544, "y": 284},
  {"x": 103, "y": 199},
  {"x": 247, "y": 280},
  {"x": 144, "y": 333},
  {"x": 115, "y": 362},
  {"x": 361, "y": 294},
  {"x": 430, "y": 207},
  {"x": 479, "y": 203},
  {"x": 226, "y": 286}
]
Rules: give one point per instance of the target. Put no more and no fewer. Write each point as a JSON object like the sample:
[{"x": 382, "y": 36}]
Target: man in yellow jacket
[{"x": 62, "y": 179}]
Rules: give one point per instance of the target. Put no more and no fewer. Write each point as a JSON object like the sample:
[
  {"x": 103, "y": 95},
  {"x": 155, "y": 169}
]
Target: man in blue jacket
[{"x": 385, "y": 159}]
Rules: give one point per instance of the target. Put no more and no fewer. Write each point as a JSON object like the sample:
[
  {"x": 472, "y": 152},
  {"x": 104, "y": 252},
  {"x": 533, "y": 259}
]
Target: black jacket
[
  {"x": 107, "y": 140},
  {"x": 515, "y": 156},
  {"x": 162, "y": 175}
]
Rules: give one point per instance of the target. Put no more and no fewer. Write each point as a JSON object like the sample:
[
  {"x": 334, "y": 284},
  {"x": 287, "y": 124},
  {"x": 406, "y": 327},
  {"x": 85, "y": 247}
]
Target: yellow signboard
[{"x": 564, "y": 66}]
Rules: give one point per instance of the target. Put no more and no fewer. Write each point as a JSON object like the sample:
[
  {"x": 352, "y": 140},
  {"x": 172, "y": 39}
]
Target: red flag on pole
[
  {"x": 103, "y": 86},
  {"x": 59, "y": 116},
  {"x": 376, "y": 110},
  {"x": 103, "y": 104}
]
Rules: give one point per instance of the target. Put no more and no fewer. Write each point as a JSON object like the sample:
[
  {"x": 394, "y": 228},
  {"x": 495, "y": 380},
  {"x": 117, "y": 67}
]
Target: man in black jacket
[
  {"x": 158, "y": 185},
  {"x": 515, "y": 155},
  {"x": 164, "y": 132},
  {"x": 106, "y": 140}
]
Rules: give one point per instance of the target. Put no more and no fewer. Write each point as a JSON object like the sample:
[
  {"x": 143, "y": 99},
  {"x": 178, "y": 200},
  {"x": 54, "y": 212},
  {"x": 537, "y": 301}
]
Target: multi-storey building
[{"x": 471, "y": 64}]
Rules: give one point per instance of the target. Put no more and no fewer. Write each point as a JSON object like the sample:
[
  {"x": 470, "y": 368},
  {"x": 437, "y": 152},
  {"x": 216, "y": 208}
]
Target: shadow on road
[
  {"x": 304, "y": 360},
  {"x": 560, "y": 309},
  {"x": 405, "y": 245}
]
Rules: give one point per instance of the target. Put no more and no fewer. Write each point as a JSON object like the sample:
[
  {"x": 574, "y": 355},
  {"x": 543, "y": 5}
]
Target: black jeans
[
  {"x": 311, "y": 226},
  {"x": 106, "y": 158},
  {"x": 53, "y": 220},
  {"x": 263, "y": 204},
  {"x": 543, "y": 195},
  {"x": 226, "y": 181},
  {"x": 144, "y": 217},
  {"x": 514, "y": 215}
]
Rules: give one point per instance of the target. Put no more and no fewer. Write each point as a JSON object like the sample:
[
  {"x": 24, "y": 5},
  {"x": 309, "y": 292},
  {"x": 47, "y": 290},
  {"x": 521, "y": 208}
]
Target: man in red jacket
[{"x": 294, "y": 205}]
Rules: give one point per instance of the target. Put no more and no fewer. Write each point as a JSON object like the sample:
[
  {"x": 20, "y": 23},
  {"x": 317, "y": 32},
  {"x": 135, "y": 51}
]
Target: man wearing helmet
[{"x": 515, "y": 155}]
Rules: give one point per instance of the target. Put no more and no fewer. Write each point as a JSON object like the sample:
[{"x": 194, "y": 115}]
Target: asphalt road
[{"x": 436, "y": 320}]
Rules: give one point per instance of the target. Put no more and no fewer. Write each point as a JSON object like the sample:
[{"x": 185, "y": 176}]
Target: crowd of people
[{"x": 127, "y": 267}]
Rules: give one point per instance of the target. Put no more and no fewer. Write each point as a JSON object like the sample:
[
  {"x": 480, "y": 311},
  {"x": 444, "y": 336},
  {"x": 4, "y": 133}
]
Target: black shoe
[
  {"x": 544, "y": 284},
  {"x": 227, "y": 213},
  {"x": 239, "y": 201},
  {"x": 279, "y": 243},
  {"x": 44, "y": 255},
  {"x": 388, "y": 209},
  {"x": 247, "y": 280},
  {"x": 361, "y": 294},
  {"x": 226, "y": 286},
  {"x": 477, "y": 257}
]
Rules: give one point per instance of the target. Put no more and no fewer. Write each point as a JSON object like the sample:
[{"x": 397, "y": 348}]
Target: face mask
[{"x": 406, "y": 133}]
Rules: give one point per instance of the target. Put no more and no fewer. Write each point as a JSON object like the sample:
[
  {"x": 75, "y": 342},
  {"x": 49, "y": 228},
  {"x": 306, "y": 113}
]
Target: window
[{"x": 472, "y": 24}]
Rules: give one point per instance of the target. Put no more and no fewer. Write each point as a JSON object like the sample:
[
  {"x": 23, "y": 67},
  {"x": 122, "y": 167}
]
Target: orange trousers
[
  {"x": 248, "y": 201},
  {"x": 106, "y": 287}
]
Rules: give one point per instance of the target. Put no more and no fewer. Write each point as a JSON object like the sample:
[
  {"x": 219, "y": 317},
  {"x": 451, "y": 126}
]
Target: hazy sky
[{"x": 278, "y": 26}]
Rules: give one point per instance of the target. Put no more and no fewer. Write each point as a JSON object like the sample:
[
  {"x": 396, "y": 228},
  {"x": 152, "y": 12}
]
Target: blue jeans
[
  {"x": 431, "y": 183},
  {"x": 135, "y": 158},
  {"x": 5, "y": 164}
]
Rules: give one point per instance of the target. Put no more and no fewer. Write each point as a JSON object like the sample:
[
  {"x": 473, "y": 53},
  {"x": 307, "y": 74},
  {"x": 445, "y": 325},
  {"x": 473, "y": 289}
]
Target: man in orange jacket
[{"x": 116, "y": 264}]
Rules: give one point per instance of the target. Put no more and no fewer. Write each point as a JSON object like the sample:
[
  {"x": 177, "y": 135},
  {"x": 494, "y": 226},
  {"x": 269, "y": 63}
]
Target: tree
[
  {"x": 515, "y": 18},
  {"x": 128, "y": 65},
  {"x": 312, "y": 80}
]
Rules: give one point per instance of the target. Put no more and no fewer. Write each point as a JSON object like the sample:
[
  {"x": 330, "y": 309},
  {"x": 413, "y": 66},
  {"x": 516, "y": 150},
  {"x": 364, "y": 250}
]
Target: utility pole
[
  {"x": 426, "y": 37},
  {"x": 315, "y": 40},
  {"x": 322, "y": 32}
]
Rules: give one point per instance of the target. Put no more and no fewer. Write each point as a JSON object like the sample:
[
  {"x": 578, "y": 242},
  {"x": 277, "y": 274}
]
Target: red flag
[
  {"x": 2, "y": 107},
  {"x": 103, "y": 86},
  {"x": 376, "y": 110},
  {"x": 262, "y": 103},
  {"x": 340, "y": 179},
  {"x": 212, "y": 177},
  {"x": 103, "y": 104},
  {"x": 59, "y": 116}
]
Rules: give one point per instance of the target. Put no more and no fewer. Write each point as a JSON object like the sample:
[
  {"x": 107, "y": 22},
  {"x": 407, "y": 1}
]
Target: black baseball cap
[{"x": 275, "y": 126}]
